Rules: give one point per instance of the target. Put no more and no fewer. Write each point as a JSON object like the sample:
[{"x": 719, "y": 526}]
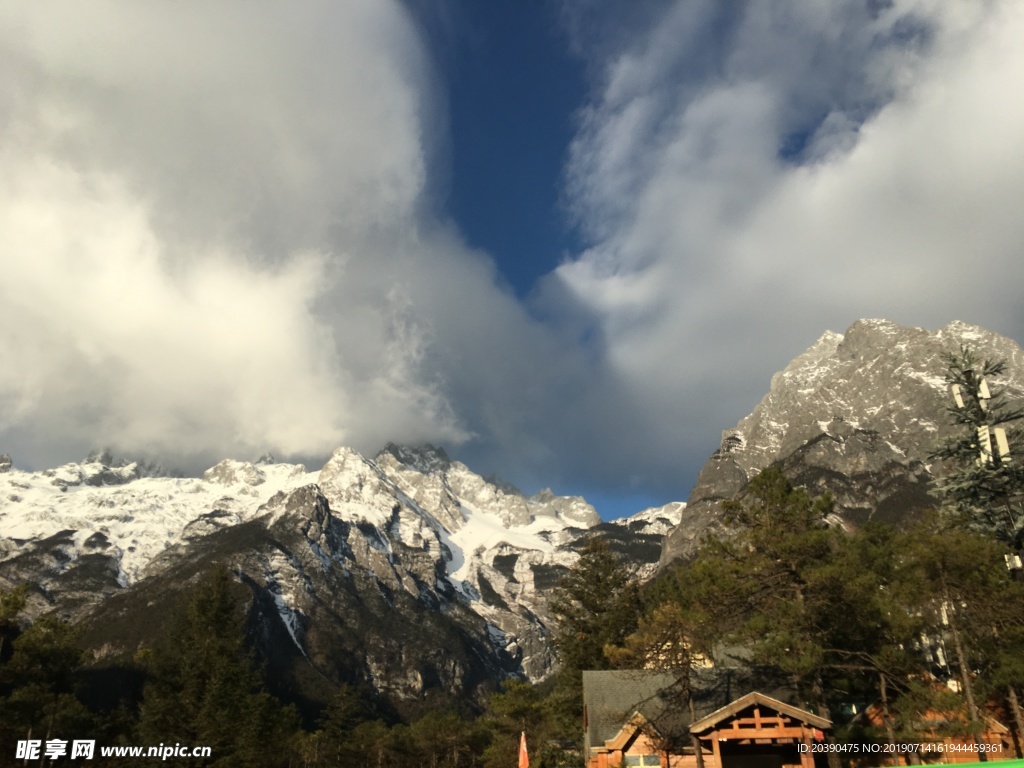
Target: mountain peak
[
  {"x": 425, "y": 458},
  {"x": 375, "y": 554},
  {"x": 856, "y": 414}
]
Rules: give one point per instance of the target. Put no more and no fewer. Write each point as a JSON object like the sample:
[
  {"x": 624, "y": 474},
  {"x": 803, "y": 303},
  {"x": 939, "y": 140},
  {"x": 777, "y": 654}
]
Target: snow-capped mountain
[
  {"x": 408, "y": 571},
  {"x": 856, "y": 414},
  {"x": 654, "y": 520}
]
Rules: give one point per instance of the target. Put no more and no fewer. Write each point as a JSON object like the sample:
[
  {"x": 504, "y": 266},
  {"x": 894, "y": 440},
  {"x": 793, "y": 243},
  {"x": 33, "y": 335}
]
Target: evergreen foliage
[
  {"x": 776, "y": 583},
  {"x": 983, "y": 489},
  {"x": 204, "y": 689},
  {"x": 596, "y": 604},
  {"x": 39, "y": 677},
  {"x": 345, "y": 711},
  {"x": 11, "y": 604},
  {"x": 975, "y": 603},
  {"x": 853, "y": 618},
  {"x": 445, "y": 739},
  {"x": 524, "y": 708}
]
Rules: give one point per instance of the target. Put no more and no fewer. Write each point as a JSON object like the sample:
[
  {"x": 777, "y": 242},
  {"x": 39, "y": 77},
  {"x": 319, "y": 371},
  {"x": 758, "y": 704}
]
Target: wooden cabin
[
  {"x": 762, "y": 732},
  {"x": 643, "y": 718}
]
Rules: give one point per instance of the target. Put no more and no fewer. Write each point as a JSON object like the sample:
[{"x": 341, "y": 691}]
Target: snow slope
[{"x": 414, "y": 520}]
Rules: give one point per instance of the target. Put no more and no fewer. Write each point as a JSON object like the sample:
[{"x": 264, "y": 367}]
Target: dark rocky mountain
[
  {"x": 857, "y": 415},
  {"x": 408, "y": 574}
]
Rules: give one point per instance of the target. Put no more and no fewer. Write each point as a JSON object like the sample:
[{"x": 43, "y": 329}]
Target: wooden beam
[
  {"x": 765, "y": 733},
  {"x": 807, "y": 758}
]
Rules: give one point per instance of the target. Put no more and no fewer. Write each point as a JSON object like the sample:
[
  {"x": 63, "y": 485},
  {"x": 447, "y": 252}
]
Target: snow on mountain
[
  {"x": 856, "y": 414},
  {"x": 878, "y": 376},
  {"x": 410, "y": 519},
  {"x": 654, "y": 520},
  {"x": 138, "y": 516}
]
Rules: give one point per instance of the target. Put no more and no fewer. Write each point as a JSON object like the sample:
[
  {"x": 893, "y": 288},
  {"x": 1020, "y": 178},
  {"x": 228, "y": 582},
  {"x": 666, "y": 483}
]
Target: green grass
[{"x": 999, "y": 763}]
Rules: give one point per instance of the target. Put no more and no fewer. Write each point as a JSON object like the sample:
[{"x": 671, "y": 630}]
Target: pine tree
[
  {"x": 881, "y": 587},
  {"x": 203, "y": 687},
  {"x": 783, "y": 547},
  {"x": 774, "y": 585},
  {"x": 39, "y": 684},
  {"x": 11, "y": 604},
  {"x": 444, "y": 740},
  {"x": 974, "y": 606},
  {"x": 1002, "y": 652},
  {"x": 984, "y": 486},
  {"x": 671, "y": 639},
  {"x": 596, "y": 604},
  {"x": 345, "y": 711},
  {"x": 524, "y": 708},
  {"x": 39, "y": 671},
  {"x": 379, "y": 746}
]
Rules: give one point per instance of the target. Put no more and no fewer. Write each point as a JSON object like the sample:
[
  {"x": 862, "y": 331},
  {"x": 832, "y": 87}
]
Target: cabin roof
[
  {"x": 611, "y": 698},
  {"x": 754, "y": 697}
]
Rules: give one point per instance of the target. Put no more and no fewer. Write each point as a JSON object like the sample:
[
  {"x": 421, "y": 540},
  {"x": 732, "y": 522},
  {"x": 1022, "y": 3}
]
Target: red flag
[{"x": 524, "y": 758}]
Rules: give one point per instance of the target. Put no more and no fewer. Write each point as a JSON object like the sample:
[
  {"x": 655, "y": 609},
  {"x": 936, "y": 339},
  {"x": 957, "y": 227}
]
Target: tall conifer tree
[
  {"x": 596, "y": 604},
  {"x": 984, "y": 485},
  {"x": 204, "y": 690}
]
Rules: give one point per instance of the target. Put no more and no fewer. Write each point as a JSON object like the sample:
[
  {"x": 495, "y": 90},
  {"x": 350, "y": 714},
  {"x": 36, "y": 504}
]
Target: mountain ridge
[
  {"x": 856, "y": 414},
  {"x": 412, "y": 574},
  {"x": 352, "y": 568}
]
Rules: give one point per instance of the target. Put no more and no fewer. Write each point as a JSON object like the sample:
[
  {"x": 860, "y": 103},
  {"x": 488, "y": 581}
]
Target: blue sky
[
  {"x": 513, "y": 91},
  {"x": 569, "y": 241}
]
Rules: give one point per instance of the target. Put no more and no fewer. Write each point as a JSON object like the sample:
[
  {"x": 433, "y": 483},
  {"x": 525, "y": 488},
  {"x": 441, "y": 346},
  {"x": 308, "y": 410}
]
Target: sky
[{"x": 568, "y": 241}]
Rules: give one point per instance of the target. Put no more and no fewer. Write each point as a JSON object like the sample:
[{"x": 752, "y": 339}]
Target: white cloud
[
  {"x": 278, "y": 121},
  {"x": 219, "y": 231},
  {"x": 204, "y": 215},
  {"x": 218, "y": 236},
  {"x": 104, "y": 341},
  {"x": 820, "y": 163}
]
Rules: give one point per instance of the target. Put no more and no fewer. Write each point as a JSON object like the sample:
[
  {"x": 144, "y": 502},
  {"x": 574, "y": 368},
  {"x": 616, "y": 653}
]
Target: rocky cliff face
[
  {"x": 408, "y": 572},
  {"x": 857, "y": 414}
]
